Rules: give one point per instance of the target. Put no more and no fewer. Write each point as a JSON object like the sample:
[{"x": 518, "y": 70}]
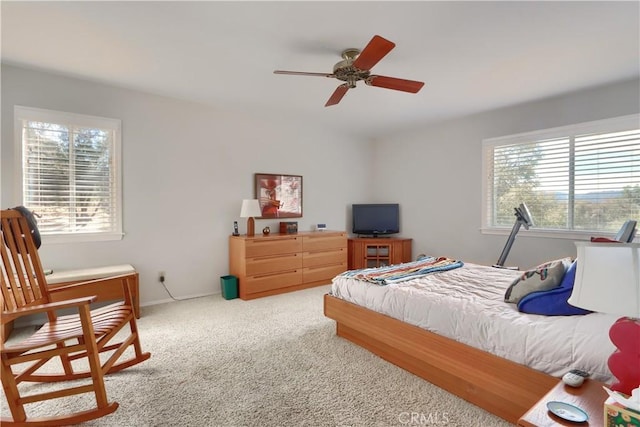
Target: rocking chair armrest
[{"x": 59, "y": 305}]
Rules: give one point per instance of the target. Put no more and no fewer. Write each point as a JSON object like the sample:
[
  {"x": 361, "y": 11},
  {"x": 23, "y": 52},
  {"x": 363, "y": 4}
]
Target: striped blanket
[{"x": 401, "y": 272}]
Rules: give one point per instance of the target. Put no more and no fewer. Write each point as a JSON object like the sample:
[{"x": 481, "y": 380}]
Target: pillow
[
  {"x": 543, "y": 277},
  {"x": 553, "y": 302},
  {"x": 569, "y": 276}
]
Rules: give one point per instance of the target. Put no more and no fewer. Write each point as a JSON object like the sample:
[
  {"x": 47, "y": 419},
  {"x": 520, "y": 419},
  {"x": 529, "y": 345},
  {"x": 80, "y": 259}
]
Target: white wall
[
  {"x": 435, "y": 174},
  {"x": 186, "y": 169},
  {"x": 187, "y": 166}
]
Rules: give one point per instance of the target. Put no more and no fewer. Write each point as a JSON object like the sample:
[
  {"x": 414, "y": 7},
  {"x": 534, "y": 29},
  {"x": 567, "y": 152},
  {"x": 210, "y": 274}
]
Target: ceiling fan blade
[
  {"x": 395, "y": 84},
  {"x": 302, "y": 73},
  {"x": 337, "y": 95},
  {"x": 377, "y": 48}
]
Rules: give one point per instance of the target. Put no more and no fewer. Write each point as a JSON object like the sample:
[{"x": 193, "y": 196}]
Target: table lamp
[
  {"x": 608, "y": 281},
  {"x": 250, "y": 208}
]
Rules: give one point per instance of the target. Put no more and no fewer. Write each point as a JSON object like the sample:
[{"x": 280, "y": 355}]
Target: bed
[{"x": 454, "y": 329}]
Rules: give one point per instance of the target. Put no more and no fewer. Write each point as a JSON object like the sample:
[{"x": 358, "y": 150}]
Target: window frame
[
  {"x": 66, "y": 118},
  {"x": 604, "y": 125}
]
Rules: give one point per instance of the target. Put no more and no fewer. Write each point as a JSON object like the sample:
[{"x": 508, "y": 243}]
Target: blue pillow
[
  {"x": 569, "y": 276},
  {"x": 553, "y": 302}
]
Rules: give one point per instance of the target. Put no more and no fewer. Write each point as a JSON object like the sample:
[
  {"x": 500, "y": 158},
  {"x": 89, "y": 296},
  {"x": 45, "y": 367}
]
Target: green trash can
[{"x": 229, "y": 286}]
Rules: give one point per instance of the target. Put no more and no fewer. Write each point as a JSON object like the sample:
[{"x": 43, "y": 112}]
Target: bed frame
[{"x": 502, "y": 387}]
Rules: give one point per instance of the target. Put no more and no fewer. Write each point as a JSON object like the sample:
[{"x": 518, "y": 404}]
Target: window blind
[
  {"x": 70, "y": 172},
  {"x": 582, "y": 177}
]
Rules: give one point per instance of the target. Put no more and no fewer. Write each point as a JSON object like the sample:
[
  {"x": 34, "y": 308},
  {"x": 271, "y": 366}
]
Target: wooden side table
[{"x": 589, "y": 397}]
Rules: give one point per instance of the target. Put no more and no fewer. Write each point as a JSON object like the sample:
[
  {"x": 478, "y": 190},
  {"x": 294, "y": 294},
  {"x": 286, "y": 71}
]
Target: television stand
[{"x": 366, "y": 252}]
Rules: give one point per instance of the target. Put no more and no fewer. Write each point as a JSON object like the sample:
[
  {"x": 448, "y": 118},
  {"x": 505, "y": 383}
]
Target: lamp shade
[
  {"x": 608, "y": 278},
  {"x": 250, "y": 208}
]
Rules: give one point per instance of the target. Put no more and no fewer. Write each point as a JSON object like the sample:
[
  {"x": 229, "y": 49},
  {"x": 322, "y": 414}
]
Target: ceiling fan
[{"x": 356, "y": 65}]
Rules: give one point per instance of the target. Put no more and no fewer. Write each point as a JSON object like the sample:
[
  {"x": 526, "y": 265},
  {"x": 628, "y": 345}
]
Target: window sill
[
  {"x": 549, "y": 234},
  {"x": 80, "y": 237}
]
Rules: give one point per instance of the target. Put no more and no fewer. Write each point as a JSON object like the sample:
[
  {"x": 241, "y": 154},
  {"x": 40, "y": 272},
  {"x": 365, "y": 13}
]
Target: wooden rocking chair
[{"x": 70, "y": 337}]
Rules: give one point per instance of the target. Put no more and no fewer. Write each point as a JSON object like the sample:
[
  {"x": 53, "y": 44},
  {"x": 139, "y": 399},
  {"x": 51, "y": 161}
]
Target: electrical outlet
[{"x": 162, "y": 276}]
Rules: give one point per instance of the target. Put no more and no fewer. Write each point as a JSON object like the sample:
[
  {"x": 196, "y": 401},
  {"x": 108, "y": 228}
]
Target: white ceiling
[{"x": 473, "y": 56}]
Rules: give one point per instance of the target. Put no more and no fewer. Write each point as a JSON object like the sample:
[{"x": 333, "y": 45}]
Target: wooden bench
[{"x": 104, "y": 290}]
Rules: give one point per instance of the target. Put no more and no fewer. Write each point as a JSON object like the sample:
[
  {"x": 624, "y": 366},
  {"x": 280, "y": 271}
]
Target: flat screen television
[{"x": 376, "y": 219}]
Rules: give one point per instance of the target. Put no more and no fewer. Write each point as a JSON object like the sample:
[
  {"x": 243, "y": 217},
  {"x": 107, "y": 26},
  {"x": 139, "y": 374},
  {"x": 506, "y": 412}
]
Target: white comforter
[{"x": 467, "y": 304}]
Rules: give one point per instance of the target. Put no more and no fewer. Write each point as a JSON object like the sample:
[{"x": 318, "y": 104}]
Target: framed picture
[{"x": 280, "y": 196}]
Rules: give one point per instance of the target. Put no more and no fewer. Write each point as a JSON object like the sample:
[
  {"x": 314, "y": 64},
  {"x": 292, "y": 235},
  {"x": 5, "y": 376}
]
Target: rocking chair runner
[{"x": 78, "y": 336}]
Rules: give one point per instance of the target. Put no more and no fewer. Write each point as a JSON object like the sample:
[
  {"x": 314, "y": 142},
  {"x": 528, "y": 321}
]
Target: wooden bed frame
[{"x": 502, "y": 387}]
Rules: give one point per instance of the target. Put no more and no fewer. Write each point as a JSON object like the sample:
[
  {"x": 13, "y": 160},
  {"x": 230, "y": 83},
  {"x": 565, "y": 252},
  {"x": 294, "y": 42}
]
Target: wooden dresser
[{"x": 278, "y": 263}]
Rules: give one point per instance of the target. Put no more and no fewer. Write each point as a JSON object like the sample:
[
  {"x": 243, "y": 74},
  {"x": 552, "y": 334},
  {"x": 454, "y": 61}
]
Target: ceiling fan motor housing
[{"x": 345, "y": 71}]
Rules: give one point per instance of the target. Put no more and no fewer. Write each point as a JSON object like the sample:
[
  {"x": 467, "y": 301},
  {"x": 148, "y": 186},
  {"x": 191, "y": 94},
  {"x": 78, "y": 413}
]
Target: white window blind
[
  {"x": 578, "y": 178},
  {"x": 70, "y": 173}
]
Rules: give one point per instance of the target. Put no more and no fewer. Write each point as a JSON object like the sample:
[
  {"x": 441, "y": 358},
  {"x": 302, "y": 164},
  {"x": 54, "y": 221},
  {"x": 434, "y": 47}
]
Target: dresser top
[{"x": 259, "y": 236}]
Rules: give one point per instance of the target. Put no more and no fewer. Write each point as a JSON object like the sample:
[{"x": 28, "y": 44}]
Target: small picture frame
[
  {"x": 280, "y": 196},
  {"x": 289, "y": 227}
]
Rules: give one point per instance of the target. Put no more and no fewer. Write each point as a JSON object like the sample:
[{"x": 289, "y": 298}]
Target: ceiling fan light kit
[{"x": 356, "y": 66}]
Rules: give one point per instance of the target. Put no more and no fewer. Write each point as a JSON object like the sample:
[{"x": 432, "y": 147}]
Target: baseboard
[{"x": 186, "y": 297}]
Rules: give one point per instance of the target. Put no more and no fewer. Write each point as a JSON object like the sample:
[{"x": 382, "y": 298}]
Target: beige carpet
[{"x": 273, "y": 361}]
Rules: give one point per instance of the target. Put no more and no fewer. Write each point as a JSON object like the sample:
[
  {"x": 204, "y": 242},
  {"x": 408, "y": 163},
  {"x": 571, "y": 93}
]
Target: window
[
  {"x": 70, "y": 173},
  {"x": 576, "y": 180}
]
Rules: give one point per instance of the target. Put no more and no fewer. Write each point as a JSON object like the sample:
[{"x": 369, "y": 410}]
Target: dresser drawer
[
  {"x": 320, "y": 258},
  {"x": 267, "y": 282},
  {"x": 324, "y": 241},
  {"x": 325, "y": 273},
  {"x": 277, "y": 263},
  {"x": 264, "y": 247},
  {"x": 273, "y": 264}
]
